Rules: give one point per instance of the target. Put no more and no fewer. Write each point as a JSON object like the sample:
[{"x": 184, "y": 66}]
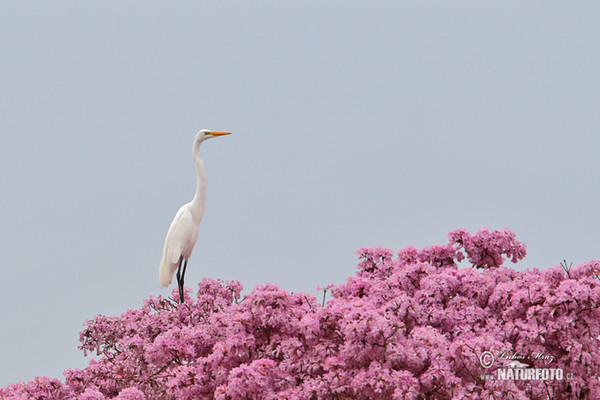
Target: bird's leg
[{"x": 180, "y": 280}]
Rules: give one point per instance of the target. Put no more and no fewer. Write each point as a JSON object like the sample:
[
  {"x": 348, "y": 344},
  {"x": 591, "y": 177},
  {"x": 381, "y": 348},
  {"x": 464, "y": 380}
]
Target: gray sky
[{"x": 354, "y": 124}]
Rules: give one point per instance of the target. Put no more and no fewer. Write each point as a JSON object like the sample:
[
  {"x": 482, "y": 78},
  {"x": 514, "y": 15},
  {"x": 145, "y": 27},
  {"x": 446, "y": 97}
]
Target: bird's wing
[{"x": 180, "y": 233}]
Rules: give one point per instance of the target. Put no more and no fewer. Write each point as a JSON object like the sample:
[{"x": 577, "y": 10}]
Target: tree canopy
[{"x": 408, "y": 325}]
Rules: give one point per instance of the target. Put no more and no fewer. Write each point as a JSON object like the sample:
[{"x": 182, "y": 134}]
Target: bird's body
[
  {"x": 179, "y": 243},
  {"x": 183, "y": 232}
]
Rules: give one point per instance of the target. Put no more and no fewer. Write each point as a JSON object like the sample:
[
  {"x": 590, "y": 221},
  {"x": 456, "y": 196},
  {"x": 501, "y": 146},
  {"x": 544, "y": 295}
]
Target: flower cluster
[{"x": 407, "y": 326}]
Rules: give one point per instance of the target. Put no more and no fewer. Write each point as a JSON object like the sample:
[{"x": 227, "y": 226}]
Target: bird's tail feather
[{"x": 166, "y": 271}]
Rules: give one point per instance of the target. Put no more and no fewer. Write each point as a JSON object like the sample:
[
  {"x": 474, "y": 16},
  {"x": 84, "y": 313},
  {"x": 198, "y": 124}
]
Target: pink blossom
[{"x": 406, "y": 326}]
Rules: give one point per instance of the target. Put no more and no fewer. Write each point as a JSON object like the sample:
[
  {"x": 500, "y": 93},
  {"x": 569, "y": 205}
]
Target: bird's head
[{"x": 204, "y": 134}]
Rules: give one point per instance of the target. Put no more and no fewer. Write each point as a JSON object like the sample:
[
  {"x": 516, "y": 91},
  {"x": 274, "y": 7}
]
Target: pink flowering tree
[{"x": 411, "y": 325}]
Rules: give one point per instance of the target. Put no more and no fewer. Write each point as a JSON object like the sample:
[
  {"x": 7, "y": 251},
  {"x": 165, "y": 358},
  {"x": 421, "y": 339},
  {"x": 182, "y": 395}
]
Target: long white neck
[{"x": 200, "y": 196}]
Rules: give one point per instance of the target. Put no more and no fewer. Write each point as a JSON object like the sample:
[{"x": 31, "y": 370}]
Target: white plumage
[{"x": 183, "y": 232}]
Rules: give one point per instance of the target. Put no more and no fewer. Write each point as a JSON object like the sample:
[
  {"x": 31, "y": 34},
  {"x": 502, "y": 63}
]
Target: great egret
[{"x": 183, "y": 231}]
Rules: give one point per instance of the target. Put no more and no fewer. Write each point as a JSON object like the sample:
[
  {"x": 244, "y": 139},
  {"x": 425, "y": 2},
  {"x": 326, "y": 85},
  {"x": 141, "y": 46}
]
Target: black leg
[{"x": 180, "y": 280}]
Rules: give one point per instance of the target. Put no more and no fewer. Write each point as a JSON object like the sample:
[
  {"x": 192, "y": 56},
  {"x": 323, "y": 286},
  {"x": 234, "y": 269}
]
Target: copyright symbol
[{"x": 486, "y": 359}]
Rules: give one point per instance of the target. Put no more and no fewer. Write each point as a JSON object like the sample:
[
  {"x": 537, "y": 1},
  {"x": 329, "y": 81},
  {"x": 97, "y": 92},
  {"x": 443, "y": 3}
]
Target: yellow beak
[{"x": 219, "y": 133}]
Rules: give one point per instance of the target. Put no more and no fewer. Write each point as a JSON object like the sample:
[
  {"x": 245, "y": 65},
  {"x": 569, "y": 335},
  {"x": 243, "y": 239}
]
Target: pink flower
[{"x": 407, "y": 327}]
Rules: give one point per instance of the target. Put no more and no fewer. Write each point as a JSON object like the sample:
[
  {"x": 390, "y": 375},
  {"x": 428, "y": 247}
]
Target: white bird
[{"x": 183, "y": 231}]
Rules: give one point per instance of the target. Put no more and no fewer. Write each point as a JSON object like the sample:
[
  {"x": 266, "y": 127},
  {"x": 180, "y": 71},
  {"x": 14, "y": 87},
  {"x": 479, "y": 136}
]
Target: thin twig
[{"x": 566, "y": 267}]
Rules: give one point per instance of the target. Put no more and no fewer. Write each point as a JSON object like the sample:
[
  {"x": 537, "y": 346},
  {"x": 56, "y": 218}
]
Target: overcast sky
[{"x": 353, "y": 124}]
